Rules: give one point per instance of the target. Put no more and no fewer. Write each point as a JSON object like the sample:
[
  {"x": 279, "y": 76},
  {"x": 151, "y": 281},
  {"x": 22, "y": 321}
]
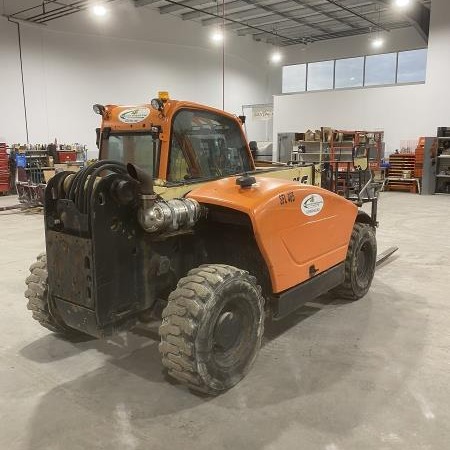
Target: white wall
[
  {"x": 403, "y": 112},
  {"x": 125, "y": 59}
]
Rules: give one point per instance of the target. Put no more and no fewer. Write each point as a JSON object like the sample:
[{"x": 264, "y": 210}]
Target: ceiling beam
[
  {"x": 355, "y": 13},
  {"x": 330, "y": 35},
  {"x": 40, "y": 6},
  {"x": 230, "y": 6},
  {"x": 228, "y": 19},
  {"x": 139, "y": 3},
  {"x": 324, "y": 13},
  {"x": 262, "y": 19},
  {"x": 417, "y": 14},
  {"x": 270, "y": 10},
  {"x": 63, "y": 9},
  {"x": 284, "y": 15},
  {"x": 269, "y": 17},
  {"x": 265, "y": 19},
  {"x": 167, "y": 9},
  {"x": 233, "y": 5}
]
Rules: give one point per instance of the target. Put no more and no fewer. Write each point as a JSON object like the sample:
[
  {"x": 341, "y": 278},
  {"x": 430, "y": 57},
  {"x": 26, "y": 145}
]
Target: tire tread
[
  {"x": 181, "y": 319},
  {"x": 345, "y": 290}
]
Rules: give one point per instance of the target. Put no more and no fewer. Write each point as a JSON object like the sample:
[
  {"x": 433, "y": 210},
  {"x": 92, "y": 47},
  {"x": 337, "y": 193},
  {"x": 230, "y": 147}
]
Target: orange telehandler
[{"x": 175, "y": 222}]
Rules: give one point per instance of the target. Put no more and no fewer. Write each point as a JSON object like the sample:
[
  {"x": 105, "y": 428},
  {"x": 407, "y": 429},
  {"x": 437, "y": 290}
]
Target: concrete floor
[{"x": 374, "y": 374}]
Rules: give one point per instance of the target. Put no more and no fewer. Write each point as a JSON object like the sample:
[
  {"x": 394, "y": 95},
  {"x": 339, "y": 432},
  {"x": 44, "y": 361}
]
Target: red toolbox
[
  {"x": 64, "y": 156},
  {"x": 4, "y": 169}
]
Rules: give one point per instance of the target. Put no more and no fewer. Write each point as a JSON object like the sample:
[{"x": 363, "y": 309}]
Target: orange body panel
[
  {"x": 112, "y": 120},
  {"x": 290, "y": 240}
]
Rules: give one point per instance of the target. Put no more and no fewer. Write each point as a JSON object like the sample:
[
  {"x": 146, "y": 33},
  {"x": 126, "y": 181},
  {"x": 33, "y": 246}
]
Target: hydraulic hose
[
  {"x": 76, "y": 191},
  {"x": 88, "y": 192},
  {"x": 79, "y": 175}
]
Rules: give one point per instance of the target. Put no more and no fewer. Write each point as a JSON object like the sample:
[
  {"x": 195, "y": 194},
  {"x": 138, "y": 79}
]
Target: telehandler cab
[{"x": 175, "y": 222}]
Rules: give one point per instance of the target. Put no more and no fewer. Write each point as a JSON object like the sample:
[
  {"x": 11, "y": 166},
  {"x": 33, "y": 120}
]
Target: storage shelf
[
  {"x": 442, "y": 176},
  {"x": 309, "y": 153},
  {"x": 38, "y": 168}
]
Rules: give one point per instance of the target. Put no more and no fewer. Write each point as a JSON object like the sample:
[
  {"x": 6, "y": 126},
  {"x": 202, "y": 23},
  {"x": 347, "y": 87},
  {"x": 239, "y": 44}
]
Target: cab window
[
  {"x": 136, "y": 148},
  {"x": 206, "y": 145}
]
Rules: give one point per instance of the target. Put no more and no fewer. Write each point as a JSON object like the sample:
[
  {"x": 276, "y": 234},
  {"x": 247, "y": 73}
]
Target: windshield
[
  {"x": 136, "y": 148},
  {"x": 206, "y": 145}
]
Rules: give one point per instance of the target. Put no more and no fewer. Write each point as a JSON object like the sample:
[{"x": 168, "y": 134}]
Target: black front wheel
[
  {"x": 359, "y": 263},
  {"x": 212, "y": 328}
]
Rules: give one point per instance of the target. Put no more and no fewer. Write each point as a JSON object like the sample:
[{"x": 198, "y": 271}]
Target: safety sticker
[
  {"x": 134, "y": 115},
  {"x": 312, "y": 204}
]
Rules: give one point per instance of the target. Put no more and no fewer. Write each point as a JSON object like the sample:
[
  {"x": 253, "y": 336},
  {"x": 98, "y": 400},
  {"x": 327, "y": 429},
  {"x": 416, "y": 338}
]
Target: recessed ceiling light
[
  {"x": 276, "y": 57},
  {"x": 217, "y": 36},
  {"x": 99, "y": 10},
  {"x": 402, "y": 3}
]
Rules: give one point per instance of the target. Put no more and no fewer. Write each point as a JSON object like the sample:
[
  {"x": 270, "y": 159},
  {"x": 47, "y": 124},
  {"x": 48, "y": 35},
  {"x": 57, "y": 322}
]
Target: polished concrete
[{"x": 374, "y": 374}]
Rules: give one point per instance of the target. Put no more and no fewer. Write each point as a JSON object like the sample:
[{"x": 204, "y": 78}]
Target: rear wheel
[
  {"x": 212, "y": 328},
  {"x": 359, "y": 263},
  {"x": 37, "y": 294}
]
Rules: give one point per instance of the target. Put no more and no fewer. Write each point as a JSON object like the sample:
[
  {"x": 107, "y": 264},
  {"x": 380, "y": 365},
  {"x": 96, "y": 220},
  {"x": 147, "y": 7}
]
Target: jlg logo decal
[
  {"x": 134, "y": 115},
  {"x": 312, "y": 204}
]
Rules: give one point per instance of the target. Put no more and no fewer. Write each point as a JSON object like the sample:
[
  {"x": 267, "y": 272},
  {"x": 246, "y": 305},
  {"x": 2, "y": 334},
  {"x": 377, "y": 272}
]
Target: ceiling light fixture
[
  {"x": 402, "y": 3},
  {"x": 99, "y": 10},
  {"x": 217, "y": 36},
  {"x": 276, "y": 57},
  {"x": 376, "y": 39},
  {"x": 377, "y": 42}
]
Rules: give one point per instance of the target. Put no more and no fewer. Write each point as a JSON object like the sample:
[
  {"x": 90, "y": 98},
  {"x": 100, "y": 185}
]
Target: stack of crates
[{"x": 4, "y": 169}]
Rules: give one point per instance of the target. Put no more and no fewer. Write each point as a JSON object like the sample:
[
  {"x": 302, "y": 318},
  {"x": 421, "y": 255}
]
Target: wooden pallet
[{"x": 401, "y": 184}]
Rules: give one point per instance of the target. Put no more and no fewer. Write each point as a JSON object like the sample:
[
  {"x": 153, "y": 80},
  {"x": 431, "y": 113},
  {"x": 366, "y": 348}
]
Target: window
[
  {"x": 412, "y": 66},
  {"x": 320, "y": 75},
  {"x": 136, "y": 148},
  {"x": 294, "y": 78},
  {"x": 349, "y": 72},
  {"x": 380, "y": 69},
  {"x": 206, "y": 145},
  {"x": 374, "y": 70}
]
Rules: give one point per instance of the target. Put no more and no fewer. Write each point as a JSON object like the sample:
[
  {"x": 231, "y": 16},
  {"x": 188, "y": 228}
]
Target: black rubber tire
[
  {"x": 194, "y": 312},
  {"x": 359, "y": 263},
  {"x": 37, "y": 295}
]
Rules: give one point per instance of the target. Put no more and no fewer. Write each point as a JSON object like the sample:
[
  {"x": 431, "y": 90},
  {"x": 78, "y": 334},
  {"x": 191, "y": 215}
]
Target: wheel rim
[
  {"x": 227, "y": 330},
  {"x": 364, "y": 263},
  {"x": 232, "y": 330}
]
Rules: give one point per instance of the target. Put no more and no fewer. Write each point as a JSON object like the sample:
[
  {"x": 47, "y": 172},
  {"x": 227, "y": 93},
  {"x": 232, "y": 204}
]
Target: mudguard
[{"x": 301, "y": 230}]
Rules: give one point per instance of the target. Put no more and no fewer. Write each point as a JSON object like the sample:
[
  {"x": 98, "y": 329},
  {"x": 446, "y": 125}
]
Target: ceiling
[{"x": 281, "y": 22}]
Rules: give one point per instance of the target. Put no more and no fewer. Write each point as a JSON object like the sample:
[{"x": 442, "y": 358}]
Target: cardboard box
[{"x": 48, "y": 174}]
